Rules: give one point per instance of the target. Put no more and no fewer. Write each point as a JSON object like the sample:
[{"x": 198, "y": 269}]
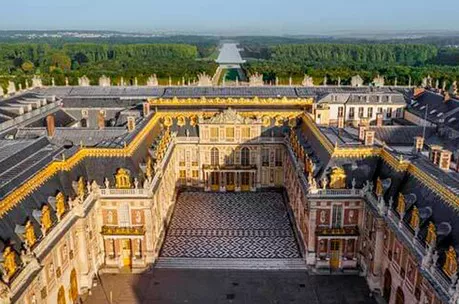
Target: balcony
[
  {"x": 109, "y": 193},
  {"x": 116, "y": 230},
  {"x": 229, "y": 167},
  {"x": 344, "y": 231}
]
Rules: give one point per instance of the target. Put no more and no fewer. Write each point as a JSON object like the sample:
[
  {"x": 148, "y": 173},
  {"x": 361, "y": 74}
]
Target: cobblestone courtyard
[
  {"x": 230, "y": 225},
  {"x": 171, "y": 286}
]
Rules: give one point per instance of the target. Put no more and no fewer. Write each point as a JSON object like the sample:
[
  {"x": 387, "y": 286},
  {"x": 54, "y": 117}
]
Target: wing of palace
[{"x": 90, "y": 174}]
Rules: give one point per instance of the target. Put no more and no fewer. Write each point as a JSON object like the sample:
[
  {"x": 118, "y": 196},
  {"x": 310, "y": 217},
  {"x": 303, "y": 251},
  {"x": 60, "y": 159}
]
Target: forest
[
  {"x": 183, "y": 57},
  {"x": 21, "y": 61}
]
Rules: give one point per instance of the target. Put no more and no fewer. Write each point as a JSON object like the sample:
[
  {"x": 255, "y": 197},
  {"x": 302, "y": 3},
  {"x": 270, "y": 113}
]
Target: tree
[
  {"x": 60, "y": 60},
  {"x": 27, "y": 66}
]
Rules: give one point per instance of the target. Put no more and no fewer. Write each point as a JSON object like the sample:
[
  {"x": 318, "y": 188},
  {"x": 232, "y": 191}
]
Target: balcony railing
[
  {"x": 116, "y": 230},
  {"x": 124, "y": 193}
]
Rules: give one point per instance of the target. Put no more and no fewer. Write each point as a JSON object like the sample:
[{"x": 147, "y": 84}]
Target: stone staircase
[{"x": 231, "y": 263}]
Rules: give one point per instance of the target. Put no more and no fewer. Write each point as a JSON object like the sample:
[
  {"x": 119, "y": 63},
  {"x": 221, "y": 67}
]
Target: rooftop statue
[
  {"x": 204, "y": 80},
  {"x": 256, "y": 80},
  {"x": 378, "y": 81},
  {"x": 307, "y": 81},
  {"x": 11, "y": 88},
  {"x": 104, "y": 81},
  {"x": 356, "y": 81},
  {"x": 36, "y": 81},
  {"x": 83, "y": 81},
  {"x": 152, "y": 81}
]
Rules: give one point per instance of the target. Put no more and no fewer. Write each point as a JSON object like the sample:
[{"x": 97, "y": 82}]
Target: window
[
  {"x": 398, "y": 112},
  {"x": 265, "y": 157},
  {"x": 351, "y": 113},
  {"x": 230, "y": 134},
  {"x": 337, "y": 216},
  {"x": 246, "y": 133},
  {"x": 182, "y": 158},
  {"x": 379, "y": 111},
  {"x": 389, "y": 112},
  {"x": 340, "y": 111},
  {"x": 214, "y": 134},
  {"x": 278, "y": 157},
  {"x": 214, "y": 157},
  {"x": 245, "y": 156},
  {"x": 194, "y": 161},
  {"x": 370, "y": 112},
  {"x": 124, "y": 215},
  {"x": 229, "y": 159},
  {"x": 182, "y": 176},
  {"x": 361, "y": 112},
  {"x": 195, "y": 173}
]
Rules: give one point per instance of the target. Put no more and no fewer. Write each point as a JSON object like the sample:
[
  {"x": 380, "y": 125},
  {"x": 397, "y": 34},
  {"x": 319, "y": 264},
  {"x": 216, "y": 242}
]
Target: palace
[{"x": 90, "y": 177}]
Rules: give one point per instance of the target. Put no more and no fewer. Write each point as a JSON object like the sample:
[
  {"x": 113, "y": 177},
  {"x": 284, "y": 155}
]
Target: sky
[{"x": 231, "y": 16}]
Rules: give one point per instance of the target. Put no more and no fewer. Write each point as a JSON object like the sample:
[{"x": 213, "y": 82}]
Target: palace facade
[{"x": 90, "y": 177}]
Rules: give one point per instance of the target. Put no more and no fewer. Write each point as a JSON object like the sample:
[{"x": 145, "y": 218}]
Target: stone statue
[
  {"x": 378, "y": 81},
  {"x": 204, "y": 80},
  {"x": 453, "y": 88},
  {"x": 256, "y": 80},
  {"x": 83, "y": 81},
  {"x": 66, "y": 81},
  {"x": 152, "y": 81},
  {"x": 36, "y": 82},
  {"x": 307, "y": 81},
  {"x": 356, "y": 81},
  {"x": 1, "y": 91},
  {"x": 53, "y": 83},
  {"x": 104, "y": 81},
  {"x": 325, "y": 81},
  {"x": 107, "y": 183},
  {"x": 11, "y": 88}
]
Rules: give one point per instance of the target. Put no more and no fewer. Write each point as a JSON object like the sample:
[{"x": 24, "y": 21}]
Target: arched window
[
  {"x": 399, "y": 296},
  {"x": 73, "y": 286},
  {"x": 245, "y": 156},
  {"x": 61, "y": 295},
  {"x": 214, "y": 157}
]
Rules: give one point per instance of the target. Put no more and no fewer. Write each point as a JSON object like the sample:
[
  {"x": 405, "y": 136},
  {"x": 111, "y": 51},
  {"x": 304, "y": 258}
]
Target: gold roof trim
[
  {"x": 66, "y": 165},
  {"x": 284, "y": 101}
]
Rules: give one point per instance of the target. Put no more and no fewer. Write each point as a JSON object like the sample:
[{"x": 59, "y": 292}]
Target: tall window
[
  {"x": 265, "y": 157},
  {"x": 337, "y": 216},
  {"x": 361, "y": 112},
  {"x": 246, "y": 133},
  {"x": 214, "y": 157},
  {"x": 389, "y": 112},
  {"x": 379, "y": 111},
  {"x": 214, "y": 134},
  {"x": 124, "y": 215},
  {"x": 182, "y": 158},
  {"x": 398, "y": 112},
  {"x": 245, "y": 156},
  {"x": 230, "y": 134},
  {"x": 351, "y": 113},
  {"x": 340, "y": 111},
  {"x": 370, "y": 112},
  {"x": 278, "y": 157}
]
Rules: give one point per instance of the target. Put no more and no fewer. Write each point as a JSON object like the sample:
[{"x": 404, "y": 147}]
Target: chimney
[
  {"x": 50, "y": 125},
  {"x": 131, "y": 123},
  {"x": 434, "y": 154},
  {"x": 445, "y": 159},
  {"x": 146, "y": 109},
  {"x": 369, "y": 138},
  {"x": 418, "y": 91},
  {"x": 379, "y": 120},
  {"x": 418, "y": 143},
  {"x": 362, "y": 129},
  {"x": 101, "y": 120}
]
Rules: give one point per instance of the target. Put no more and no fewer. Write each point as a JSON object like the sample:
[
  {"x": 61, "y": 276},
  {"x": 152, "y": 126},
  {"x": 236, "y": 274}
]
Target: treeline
[
  {"x": 342, "y": 61},
  {"x": 406, "y": 54},
  {"x": 73, "y": 60}
]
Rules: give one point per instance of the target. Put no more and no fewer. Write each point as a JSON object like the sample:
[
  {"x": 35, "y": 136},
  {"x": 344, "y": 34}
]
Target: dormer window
[
  {"x": 452, "y": 119},
  {"x": 440, "y": 114},
  {"x": 433, "y": 111},
  {"x": 423, "y": 107}
]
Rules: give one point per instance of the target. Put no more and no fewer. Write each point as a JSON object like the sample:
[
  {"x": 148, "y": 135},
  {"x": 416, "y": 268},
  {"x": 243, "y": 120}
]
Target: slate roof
[
  {"x": 402, "y": 135},
  {"x": 438, "y": 110}
]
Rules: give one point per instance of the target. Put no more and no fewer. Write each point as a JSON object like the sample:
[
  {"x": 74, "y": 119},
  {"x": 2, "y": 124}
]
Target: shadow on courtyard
[{"x": 235, "y": 286}]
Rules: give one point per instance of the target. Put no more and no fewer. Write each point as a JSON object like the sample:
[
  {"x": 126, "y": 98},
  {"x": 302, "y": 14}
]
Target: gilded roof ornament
[
  {"x": 29, "y": 234},
  {"x": 122, "y": 179},
  {"x": 401, "y": 205},
  {"x": 414, "y": 222},
  {"x": 9, "y": 262},
  {"x": 46, "y": 221},
  {"x": 337, "y": 178},
  {"x": 431, "y": 237},
  {"x": 60, "y": 205},
  {"x": 379, "y": 187},
  {"x": 450, "y": 265},
  {"x": 81, "y": 188}
]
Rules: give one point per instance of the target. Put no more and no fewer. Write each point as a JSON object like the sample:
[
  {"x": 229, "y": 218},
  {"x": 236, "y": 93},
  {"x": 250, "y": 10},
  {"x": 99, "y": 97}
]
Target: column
[
  {"x": 222, "y": 181},
  {"x": 376, "y": 277},
  {"x": 82, "y": 256}
]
